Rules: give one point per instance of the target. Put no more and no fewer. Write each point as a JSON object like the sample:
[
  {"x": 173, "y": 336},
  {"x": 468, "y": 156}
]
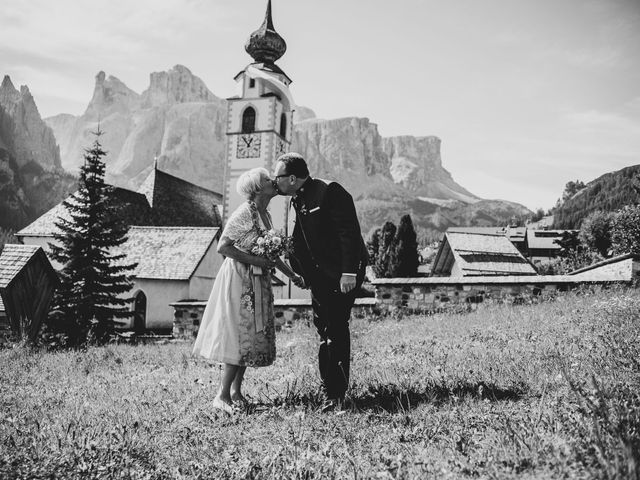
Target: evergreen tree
[
  {"x": 387, "y": 235},
  {"x": 93, "y": 276},
  {"x": 404, "y": 261}
]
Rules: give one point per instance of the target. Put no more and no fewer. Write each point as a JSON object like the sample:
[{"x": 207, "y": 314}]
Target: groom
[{"x": 330, "y": 255}]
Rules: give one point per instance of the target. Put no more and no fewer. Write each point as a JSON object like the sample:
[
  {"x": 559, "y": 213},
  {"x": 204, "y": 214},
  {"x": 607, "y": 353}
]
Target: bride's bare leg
[
  {"x": 228, "y": 377},
  {"x": 236, "y": 386}
]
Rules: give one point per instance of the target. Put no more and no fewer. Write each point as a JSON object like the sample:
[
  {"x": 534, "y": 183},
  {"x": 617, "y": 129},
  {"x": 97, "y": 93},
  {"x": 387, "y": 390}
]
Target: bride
[{"x": 237, "y": 326}]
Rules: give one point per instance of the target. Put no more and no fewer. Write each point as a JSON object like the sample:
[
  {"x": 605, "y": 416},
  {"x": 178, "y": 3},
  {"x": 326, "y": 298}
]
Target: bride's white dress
[{"x": 237, "y": 326}]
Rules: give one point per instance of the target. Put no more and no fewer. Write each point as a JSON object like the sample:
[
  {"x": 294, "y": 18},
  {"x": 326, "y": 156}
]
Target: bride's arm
[
  {"x": 284, "y": 268},
  {"x": 226, "y": 248}
]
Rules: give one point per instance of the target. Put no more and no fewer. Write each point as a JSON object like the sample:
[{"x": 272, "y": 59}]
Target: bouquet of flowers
[{"x": 271, "y": 244}]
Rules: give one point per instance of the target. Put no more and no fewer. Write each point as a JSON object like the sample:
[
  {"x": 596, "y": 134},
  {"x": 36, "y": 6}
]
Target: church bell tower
[{"x": 259, "y": 118}]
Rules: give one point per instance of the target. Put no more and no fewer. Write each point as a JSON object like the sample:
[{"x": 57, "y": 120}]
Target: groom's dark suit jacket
[{"x": 326, "y": 238}]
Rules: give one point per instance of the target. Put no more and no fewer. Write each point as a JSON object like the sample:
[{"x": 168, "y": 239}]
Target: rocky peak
[
  {"x": 177, "y": 85},
  {"x": 24, "y": 133},
  {"x": 9, "y": 96},
  {"x": 110, "y": 95},
  {"x": 416, "y": 164}
]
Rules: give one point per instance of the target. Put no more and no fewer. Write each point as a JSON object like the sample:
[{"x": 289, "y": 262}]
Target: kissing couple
[{"x": 328, "y": 256}]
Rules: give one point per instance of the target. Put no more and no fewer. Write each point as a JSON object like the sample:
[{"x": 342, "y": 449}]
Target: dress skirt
[{"x": 237, "y": 326}]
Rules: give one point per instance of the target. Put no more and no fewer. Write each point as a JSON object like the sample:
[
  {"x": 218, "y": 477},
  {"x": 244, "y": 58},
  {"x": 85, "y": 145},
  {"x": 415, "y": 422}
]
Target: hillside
[{"x": 608, "y": 192}]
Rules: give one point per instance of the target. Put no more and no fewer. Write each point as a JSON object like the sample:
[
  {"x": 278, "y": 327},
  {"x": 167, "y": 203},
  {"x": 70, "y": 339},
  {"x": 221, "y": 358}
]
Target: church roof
[
  {"x": 480, "y": 254},
  {"x": 175, "y": 201},
  {"x": 132, "y": 208},
  {"x": 162, "y": 199},
  {"x": 167, "y": 253}
]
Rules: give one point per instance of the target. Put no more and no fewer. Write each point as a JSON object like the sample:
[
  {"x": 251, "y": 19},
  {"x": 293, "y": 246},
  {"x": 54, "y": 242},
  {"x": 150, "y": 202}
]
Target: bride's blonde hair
[{"x": 250, "y": 182}]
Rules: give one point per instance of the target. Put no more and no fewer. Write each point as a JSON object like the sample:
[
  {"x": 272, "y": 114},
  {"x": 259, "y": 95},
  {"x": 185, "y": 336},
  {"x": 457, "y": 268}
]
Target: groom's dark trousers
[
  {"x": 331, "y": 313},
  {"x": 327, "y": 244}
]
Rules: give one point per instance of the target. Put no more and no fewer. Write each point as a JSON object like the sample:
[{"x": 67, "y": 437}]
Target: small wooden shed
[{"x": 27, "y": 283}]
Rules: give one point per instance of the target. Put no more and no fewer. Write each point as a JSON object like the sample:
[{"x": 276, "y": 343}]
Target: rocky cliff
[
  {"x": 176, "y": 120},
  {"x": 31, "y": 179},
  {"x": 24, "y": 132},
  {"x": 389, "y": 177}
]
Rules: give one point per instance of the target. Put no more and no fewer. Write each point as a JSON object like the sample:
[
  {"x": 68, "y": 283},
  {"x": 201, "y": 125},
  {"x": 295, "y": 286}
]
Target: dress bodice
[{"x": 245, "y": 225}]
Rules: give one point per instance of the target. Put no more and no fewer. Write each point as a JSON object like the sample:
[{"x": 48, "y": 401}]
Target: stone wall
[
  {"x": 433, "y": 294},
  {"x": 188, "y": 315},
  {"x": 412, "y": 298}
]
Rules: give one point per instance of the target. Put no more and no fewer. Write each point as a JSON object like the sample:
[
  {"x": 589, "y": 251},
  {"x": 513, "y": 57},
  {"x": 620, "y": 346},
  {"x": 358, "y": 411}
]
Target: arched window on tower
[
  {"x": 283, "y": 126},
  {"x": 249, "y": 120}
]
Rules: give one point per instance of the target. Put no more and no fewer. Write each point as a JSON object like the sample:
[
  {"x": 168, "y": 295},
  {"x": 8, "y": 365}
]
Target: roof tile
[
  {"x": 167, "y": 253},
  {"x": 13, "y": 259}
]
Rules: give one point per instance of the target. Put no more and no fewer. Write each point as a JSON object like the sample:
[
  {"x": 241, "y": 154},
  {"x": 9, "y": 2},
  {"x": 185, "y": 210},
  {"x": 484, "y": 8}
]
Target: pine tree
[
  {"x": 93, "y": 276},
  {"x": 404, "y": 261},
  {"x": 381, "y": 265}
]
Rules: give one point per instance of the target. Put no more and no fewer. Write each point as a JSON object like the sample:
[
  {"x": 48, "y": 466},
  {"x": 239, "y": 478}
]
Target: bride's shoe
[{"x": 219, "y": 404}]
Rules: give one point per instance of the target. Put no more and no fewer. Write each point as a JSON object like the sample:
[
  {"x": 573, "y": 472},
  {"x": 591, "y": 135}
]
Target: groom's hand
[{"x": 347, "y": 283}]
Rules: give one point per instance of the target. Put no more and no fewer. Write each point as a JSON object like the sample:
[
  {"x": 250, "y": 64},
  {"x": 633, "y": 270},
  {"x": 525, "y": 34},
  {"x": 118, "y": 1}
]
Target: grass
[{"x": 530, "y": 391}]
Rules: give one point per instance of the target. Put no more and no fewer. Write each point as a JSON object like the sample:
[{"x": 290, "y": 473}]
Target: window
[
  {"x": 283, "y": 125},
  {"x": 249, "y": 120},
  {"x": 252, "y": 82}
]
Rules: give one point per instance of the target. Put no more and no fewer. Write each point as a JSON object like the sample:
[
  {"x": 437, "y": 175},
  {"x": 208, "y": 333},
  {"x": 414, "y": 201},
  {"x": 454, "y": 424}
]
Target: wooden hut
[{"x": 27, "y": 283}]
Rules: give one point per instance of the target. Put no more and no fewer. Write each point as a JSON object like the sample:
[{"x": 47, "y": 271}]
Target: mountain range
[{"x": 180, "y": 125}]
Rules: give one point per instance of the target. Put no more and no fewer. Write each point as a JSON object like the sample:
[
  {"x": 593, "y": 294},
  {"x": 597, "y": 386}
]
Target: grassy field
[{"x": 530, "y": 391}]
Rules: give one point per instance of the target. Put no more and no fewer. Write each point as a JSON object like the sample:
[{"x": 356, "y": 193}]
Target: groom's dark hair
[{"x": 294, "y": 164}]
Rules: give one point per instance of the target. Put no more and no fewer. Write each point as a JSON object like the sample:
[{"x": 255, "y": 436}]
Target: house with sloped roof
[
  {"x": 27, "y": 283},
  {"x": 173, "y": 234},
  {"x": 517, "y": 235},
  {"x": 478, "y": 254},
  {"x": 541, "y": 245}
]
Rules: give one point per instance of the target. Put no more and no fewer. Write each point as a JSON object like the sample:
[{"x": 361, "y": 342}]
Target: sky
[{"x": 525, "y": 95}]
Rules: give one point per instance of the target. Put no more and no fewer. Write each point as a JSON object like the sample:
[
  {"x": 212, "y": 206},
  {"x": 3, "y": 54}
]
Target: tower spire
[
  {"x": 265, "y": 45},
  {"x": 267, "y": 17}
]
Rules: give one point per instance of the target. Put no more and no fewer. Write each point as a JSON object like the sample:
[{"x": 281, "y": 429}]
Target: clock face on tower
[
  {"x": 248, "y": 145},
  {"x": 281, "y": 147}
]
